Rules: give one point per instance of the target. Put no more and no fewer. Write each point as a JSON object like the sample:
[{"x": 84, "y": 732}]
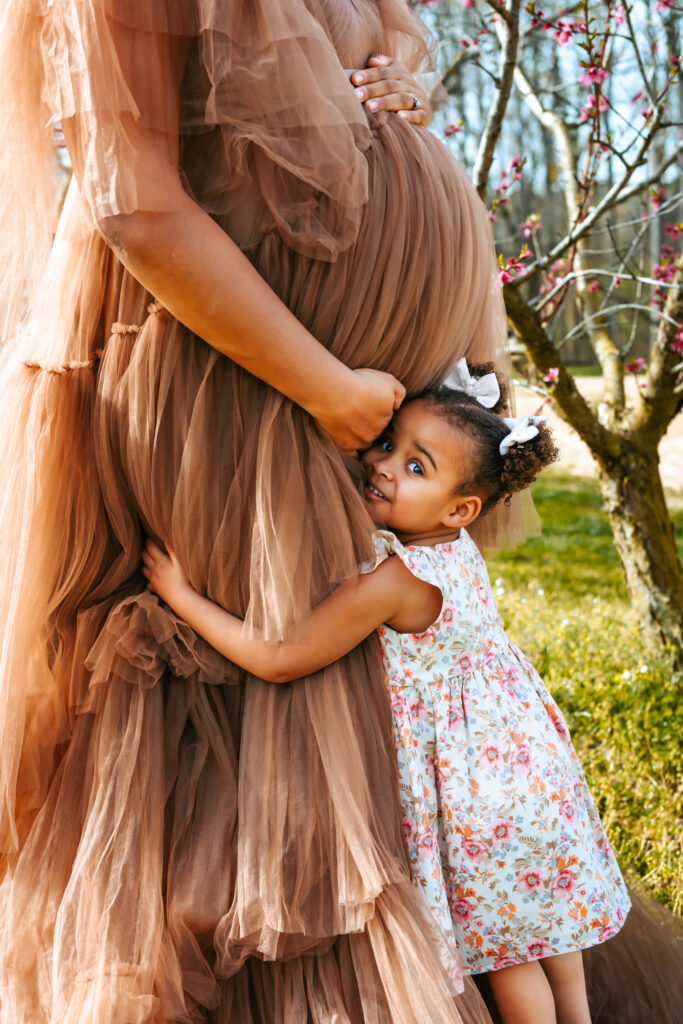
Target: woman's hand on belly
[
  {"x": 387, "y": 84},
  {"x": 360, "y": 411}
]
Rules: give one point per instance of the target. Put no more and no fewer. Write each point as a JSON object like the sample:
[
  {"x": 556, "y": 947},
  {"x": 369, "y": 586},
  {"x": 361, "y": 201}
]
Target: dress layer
[{"x": 183, "y": 842}]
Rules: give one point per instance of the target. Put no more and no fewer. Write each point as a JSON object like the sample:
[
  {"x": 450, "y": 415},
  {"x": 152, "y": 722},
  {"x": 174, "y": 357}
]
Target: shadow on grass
[{"x": 575, "y": 556}]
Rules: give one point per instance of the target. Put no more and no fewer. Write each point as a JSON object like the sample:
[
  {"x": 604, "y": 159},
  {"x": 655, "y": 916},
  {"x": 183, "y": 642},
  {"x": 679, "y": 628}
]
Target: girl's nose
[{"x": 384, "y": 468}]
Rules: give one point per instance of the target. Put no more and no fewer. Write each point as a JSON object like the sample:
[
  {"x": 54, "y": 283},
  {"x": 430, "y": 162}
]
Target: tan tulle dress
[{"x": 182, "y": 843}]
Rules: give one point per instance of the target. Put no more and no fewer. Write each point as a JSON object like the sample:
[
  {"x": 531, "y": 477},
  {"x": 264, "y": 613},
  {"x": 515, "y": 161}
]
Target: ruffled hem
[{"x": 143, "y": 638}]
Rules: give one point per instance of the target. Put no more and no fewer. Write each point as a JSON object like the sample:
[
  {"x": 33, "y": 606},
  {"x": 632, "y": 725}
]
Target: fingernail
[
  {"x": 360, "y": 93},
  {"x": 402, "y": 113},
  {"x": 372, "y": 104},
  {"x": 357, "y": 78}
]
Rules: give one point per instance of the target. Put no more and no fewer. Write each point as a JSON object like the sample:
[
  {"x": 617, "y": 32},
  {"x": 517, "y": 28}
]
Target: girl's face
[{"x": 412, "y": 474}]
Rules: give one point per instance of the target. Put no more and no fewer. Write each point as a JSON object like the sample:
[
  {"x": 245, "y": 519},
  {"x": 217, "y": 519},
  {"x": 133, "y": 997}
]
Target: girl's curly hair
[{"x": 493, "y": 476}]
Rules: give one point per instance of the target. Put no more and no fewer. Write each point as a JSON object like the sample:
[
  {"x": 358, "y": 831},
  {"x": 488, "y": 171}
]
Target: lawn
[{"x": 563, "y": 599}]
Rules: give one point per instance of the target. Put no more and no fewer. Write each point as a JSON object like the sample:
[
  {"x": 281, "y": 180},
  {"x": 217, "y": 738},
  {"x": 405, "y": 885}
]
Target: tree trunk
[{"x": 635, "y": 504}]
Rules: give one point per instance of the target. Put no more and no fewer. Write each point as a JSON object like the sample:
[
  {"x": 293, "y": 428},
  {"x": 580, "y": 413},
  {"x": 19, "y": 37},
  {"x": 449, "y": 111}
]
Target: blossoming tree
[{"x": 593, "y": 92}]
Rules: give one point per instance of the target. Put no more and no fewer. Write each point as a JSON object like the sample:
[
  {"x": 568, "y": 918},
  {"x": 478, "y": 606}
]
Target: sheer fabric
[{"x": 184, "y": 843}]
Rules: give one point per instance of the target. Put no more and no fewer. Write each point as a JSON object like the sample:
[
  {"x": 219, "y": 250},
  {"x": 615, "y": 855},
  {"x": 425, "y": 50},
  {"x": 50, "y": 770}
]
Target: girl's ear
[{"x": 463, "y": 512}]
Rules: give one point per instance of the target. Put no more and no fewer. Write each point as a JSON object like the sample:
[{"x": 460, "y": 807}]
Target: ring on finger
[{"x": 416, "y": 103}]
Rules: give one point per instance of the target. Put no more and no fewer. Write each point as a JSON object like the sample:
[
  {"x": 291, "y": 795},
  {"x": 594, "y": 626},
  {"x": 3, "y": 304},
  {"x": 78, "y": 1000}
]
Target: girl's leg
[
  {"x": 566, "y": 979},
  {"x": 523, "y": 994}
]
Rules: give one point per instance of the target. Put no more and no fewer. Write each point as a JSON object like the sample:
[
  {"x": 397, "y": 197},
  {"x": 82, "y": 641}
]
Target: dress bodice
[
  {"x": 468, "y": 627},
  {"x": 355, "y": 28}
]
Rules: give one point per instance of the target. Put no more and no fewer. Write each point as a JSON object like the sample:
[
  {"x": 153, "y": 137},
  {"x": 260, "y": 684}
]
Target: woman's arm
[
  {"x": 198, "y": 273},
  {"x": 390, "y": 594},
  {"x": 191, "y": 265}
]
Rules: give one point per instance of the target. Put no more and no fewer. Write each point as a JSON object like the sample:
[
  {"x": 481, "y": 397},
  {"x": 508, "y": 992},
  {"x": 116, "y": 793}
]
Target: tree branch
[
  {"x": 612, "y": 197},
  {"x": 660, "y": 400},
  {"x": 509, "y": 31},
  {"x": 571, "y": 404}
]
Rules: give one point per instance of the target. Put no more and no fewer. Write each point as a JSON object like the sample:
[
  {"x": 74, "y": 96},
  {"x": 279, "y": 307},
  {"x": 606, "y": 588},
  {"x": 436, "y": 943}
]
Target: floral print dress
[{"x": 503, "y": 835}]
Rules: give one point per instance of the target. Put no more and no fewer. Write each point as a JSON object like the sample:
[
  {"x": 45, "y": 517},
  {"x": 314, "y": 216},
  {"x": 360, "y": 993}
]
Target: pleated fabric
[{"x": 182, "y": 842}]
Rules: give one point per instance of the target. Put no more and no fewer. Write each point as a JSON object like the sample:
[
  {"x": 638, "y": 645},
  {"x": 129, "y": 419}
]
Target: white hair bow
[
  {"x": 521, "y": 430},
  {"x": 485, "y": 389}
]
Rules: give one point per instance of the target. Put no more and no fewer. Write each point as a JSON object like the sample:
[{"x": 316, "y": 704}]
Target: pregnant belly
[{"x": 417, "y": 289}]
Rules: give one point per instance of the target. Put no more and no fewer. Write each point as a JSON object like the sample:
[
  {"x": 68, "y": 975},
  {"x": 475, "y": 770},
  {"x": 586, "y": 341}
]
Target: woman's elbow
[{"x": 129, "y": 235}]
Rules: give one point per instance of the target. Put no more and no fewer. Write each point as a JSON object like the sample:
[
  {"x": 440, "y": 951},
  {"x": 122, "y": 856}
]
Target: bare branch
[
  {"x": 509, "y": 30},
  {"x": 613, "y": 196},
  {"x": 661, "y": 402},
  {"x": 500, "y": 9},
  {"x": 639, "y": 60},
  {"x": 555, "y": 124}
]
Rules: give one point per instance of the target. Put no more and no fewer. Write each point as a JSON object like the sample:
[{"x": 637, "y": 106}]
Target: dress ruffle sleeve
[{"x": 421, "y": 561}]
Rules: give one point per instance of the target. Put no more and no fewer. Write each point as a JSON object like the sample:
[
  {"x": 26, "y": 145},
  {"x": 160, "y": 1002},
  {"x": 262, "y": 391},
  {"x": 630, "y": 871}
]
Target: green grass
[{"x": 563, "y": 599}]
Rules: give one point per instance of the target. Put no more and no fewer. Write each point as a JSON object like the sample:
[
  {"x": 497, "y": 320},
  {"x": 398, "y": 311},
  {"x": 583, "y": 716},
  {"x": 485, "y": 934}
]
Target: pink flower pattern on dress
[{"x": 503, "y": 836}]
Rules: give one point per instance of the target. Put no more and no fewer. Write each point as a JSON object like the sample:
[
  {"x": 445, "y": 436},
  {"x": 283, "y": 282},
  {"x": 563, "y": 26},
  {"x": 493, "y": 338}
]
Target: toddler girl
[{"x": 503, "y": 836}]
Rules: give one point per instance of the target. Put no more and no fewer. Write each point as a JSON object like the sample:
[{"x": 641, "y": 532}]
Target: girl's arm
[{"x": 390, "y": 594}]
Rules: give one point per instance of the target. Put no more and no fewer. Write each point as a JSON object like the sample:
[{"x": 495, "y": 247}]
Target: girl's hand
[
  {"x": 386, "y": 84},
  {"x": 361, "y": 412},
  {"x": 164, "y": 575}
]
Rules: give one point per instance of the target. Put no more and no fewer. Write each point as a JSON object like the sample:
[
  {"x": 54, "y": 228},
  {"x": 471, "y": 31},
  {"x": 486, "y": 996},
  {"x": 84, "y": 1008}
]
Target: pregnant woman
[{"x": 246, "y": 264}]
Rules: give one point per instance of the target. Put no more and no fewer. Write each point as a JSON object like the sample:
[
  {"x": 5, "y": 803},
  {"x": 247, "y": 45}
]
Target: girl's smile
[{"x": 412, "y": 474}]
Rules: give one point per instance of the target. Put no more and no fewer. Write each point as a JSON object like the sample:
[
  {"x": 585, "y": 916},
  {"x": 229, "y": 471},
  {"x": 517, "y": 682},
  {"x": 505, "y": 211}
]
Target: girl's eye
[
  {"x": 415, "y": 467},
  {"x": 384, "y": 444}
]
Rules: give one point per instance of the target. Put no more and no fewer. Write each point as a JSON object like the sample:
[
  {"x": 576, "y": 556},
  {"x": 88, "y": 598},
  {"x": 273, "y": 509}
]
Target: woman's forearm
[{"x": 198, "y": 273}]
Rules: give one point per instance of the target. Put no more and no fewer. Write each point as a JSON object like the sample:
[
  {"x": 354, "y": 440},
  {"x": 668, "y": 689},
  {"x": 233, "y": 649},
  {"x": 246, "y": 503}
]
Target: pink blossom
[
  {"x": 451, "y": 129},
  {"x": 636, "y": 365},
  {"x": 531, "y": 226},
  {"x": 656, "y": 197},
  {"x": 468, "y": 3},
  {"x": 664, "y": 5},
  {"x": 521, "y": 758},
  {"x": 677, "y": 343},
  {"x": 593, "y": 75},
  {"x": 619, "y": 15},
  {"x": 538, "y": 948},
  {"x": 530, "y": 880},
  {"x": 616, "y": 281},
  {"x": 567, "y": 810},
  {"x": 672, "y": 230},
  {"x": 589, "y": 109},
  {"x": 593, "y": 285},
  {"x": 563, "y": 33},
  {"x": 474, "y": 849},
  {"x": 461, "y": 910},
  {"x": 505, "y": 277},
  {"x": 564, "y": 883},
  {"x": 552, "y": 375},
  {"x": 490, "y": 754},
  {"x": 502, "y": 831}
]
